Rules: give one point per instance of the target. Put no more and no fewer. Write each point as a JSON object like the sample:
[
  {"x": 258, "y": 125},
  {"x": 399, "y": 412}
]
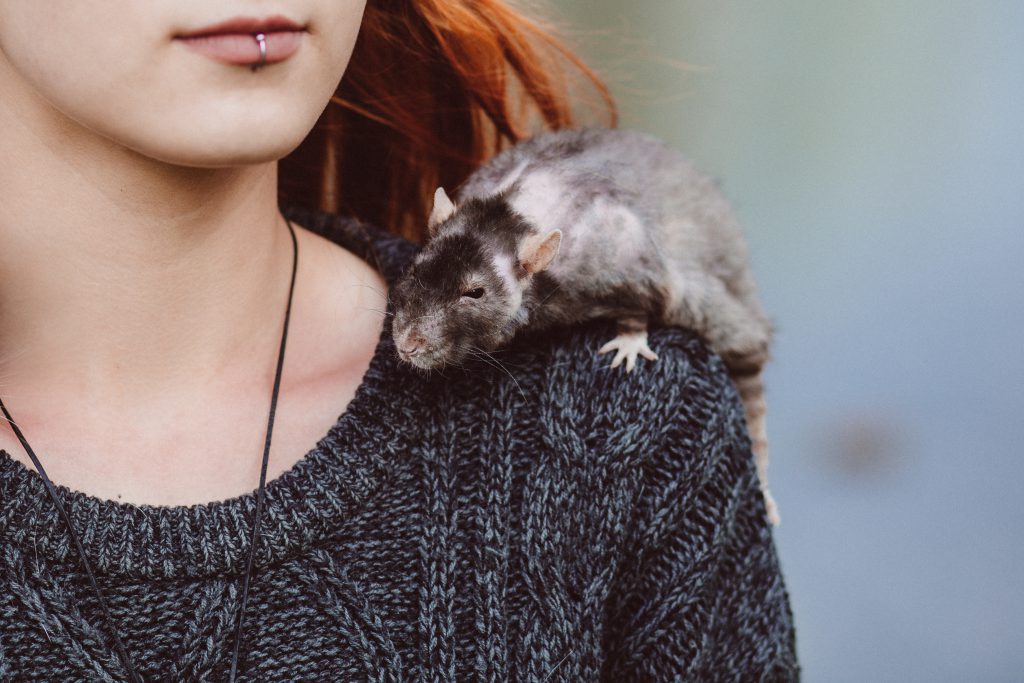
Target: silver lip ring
[{"x": 261, "y": 41}]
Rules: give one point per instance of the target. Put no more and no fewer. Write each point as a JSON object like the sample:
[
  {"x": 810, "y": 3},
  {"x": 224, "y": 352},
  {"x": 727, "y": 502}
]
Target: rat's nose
[{"x": 413, "y": 344}]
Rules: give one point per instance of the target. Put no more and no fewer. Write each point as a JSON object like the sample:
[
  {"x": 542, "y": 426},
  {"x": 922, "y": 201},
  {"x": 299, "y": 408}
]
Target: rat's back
[{"x": 627, "y": 205}]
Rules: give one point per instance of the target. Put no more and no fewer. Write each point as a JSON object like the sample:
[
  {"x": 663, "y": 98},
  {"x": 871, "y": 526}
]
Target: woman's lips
[
  {"x": 243, "y": 48},
  {"x": 234, "y": 41}
]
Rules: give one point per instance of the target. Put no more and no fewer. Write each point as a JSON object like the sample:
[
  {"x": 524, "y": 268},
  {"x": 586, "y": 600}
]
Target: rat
[{"x": 580, "y": 224}]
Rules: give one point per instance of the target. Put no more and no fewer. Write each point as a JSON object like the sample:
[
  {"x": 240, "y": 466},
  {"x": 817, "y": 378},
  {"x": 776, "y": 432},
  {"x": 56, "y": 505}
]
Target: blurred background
[{"x": 875, "y": 153}]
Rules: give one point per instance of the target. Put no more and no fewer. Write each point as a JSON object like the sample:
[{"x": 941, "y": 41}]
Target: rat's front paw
[{"x": 628, "y": 346}]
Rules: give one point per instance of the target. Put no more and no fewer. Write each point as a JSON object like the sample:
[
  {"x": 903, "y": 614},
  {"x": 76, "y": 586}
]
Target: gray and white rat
[{"x": 581, "y": 224}]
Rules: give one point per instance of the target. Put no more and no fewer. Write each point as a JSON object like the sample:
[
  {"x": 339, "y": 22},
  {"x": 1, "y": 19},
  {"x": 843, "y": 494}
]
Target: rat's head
[{"x": 464, "y": 291}]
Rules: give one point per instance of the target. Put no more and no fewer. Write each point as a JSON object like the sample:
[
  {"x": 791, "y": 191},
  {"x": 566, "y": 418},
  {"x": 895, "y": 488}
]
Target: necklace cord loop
[{"x": 118, "y": 644}]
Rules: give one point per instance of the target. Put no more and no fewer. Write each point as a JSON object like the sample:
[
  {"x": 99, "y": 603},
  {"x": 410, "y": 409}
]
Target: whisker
[
  {"x": 376, "y": 310},
  {"x": 553, "y": 292},
  {"x": 483, "y": 359},
  {"x": 495, "y": 351},
  {"x": 384, "y": 294},
  {"x": 488, "y": 358}
]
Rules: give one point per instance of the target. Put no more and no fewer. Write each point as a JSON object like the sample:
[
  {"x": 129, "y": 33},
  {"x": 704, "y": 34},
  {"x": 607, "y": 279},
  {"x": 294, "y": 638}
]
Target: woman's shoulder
[
  {"x": 572, "y": 367},
  {"x": 651, "y": 474},
  {"x": 668, "y": 413}
]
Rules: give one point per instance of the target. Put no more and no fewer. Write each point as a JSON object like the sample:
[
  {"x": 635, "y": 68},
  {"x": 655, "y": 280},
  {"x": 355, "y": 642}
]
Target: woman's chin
[
  {"x": 221, "y": 153},
  {"x": 232, "y": 158}
]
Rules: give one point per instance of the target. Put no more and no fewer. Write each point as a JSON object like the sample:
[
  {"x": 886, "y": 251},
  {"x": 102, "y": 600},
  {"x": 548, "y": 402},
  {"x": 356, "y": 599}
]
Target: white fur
[
  {"x": 628, "y": 236},
  {"x": 504, "y": 267},
  {"x": 546, "y": 206},
  {"x": 511, "y": 178},
  {"x": 453, "y": 228}
]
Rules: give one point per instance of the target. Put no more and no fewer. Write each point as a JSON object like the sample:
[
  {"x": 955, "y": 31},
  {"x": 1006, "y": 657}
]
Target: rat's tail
[{"x": 751, "y": 388}]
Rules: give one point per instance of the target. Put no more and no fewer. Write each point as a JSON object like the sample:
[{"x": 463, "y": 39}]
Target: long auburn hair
[{"x": 433, "y": 89}]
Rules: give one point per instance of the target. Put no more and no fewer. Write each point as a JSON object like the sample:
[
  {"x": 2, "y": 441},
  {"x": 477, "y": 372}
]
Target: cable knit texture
[{"x": 550, "y": 521}]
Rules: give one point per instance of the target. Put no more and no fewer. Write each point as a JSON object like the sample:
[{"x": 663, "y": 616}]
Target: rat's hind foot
[{"x": 631, "y": 342}]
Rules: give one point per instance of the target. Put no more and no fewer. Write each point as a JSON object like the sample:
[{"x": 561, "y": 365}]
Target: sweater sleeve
[{"x": 699, "y": 594}]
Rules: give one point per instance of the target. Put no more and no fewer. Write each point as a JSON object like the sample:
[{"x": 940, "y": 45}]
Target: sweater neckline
[{"x": 335, "y": 478}]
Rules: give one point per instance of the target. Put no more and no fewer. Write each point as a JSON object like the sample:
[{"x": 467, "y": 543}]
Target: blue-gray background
[{"x": 875, "y": 154}]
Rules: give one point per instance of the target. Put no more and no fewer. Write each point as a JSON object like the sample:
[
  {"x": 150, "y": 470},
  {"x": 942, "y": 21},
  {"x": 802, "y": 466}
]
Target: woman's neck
[{"x": 119, "y": 272}]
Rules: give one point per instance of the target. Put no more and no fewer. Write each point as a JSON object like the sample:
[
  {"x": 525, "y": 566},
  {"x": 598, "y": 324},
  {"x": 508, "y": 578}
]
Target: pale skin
[{"x": 144, "y": 266}]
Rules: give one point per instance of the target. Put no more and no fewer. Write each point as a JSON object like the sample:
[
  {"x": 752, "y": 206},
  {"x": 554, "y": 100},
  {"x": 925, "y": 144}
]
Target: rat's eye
[{"x": 474, "y": 293}]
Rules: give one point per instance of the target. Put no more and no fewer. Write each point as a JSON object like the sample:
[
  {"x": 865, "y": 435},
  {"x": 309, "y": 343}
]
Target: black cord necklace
[{"x": 118, "y": 645}]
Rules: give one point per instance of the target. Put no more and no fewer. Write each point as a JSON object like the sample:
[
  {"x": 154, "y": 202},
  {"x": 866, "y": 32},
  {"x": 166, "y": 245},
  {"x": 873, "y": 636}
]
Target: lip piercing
[{"x": 261, "y": 41}]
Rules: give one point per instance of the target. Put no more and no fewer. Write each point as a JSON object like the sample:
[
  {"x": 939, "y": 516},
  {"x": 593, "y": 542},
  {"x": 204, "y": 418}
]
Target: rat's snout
[
  {"x": 420, "y": 343},
  {"x": 412, "y": 343},
  {"x": 412, "y": 346}
]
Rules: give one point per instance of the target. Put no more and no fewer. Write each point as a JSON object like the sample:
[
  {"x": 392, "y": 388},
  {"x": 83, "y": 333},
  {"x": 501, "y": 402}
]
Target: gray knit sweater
[{"x": 571, "y": 524}]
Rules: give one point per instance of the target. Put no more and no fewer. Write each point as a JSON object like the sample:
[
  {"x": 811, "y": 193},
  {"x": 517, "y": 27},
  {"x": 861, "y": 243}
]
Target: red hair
[{"x": 433, "y": 89}]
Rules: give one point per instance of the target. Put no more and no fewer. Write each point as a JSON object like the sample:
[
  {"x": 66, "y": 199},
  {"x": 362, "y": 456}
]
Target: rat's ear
[
  {"x": 538, "y": 250},
  {"x": 442, "y": 211}
]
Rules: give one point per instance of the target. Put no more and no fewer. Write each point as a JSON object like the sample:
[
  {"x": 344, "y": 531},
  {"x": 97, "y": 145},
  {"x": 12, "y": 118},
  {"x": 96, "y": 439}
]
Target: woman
[{"x": 548, "y": 520}]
